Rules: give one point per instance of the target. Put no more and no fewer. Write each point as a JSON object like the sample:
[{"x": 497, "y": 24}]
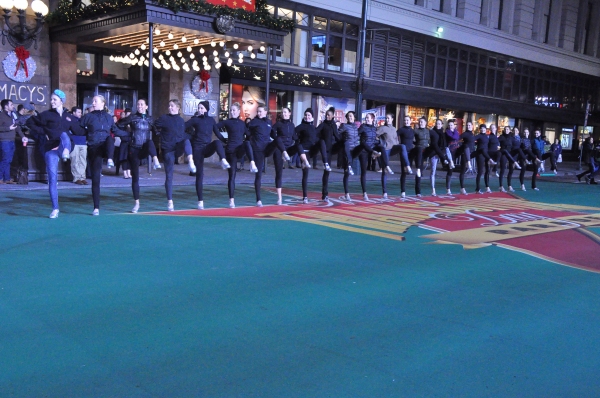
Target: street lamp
[{"x": 19, "y": 34}]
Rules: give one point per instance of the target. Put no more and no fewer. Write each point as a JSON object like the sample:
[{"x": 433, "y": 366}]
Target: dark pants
[
  {"x": 200, "y": 153},
  {"x": 503, "y": 162},
  {"x": 258, "y": 155},
  {"x": 135, "y": 155},
  {"x": 232, "y": 157},
  {"x": 96, "y": 155}
]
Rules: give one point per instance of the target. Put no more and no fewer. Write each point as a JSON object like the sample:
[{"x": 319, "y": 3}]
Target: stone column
[
  {"x": 568, "y": 25},
  {"x": 469, "y": 10},
  {"x": 523, "y": 22},
  {"x": 64, "y": 71}
]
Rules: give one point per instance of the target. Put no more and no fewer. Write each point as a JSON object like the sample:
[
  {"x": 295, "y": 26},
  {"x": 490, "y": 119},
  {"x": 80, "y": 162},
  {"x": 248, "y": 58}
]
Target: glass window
[
  {"x": 301, "y": 19},
  {"x": 451, "y": 76},
  {"x": 320, "y": 23},
  {"x": 86, "y": 63},
  {"x": 336, "y": 26},
  {"x": 350, "y": 56},
  {"x": 440, "y": 73},
  {"x": 318, "y": 43},
  {"x": 300, "y": 47},
  {"x": 285, "y": 13},
  {"x": 115, "y": 70},
  {"x": 367, "y": 61},
  {"x": 283, "y": 53},
  {"x": 271, "y": 10},
  {"x": 351, "y": 30},
  {"x": 429, "y": 71},
  {"x": 334, "y": 58}
]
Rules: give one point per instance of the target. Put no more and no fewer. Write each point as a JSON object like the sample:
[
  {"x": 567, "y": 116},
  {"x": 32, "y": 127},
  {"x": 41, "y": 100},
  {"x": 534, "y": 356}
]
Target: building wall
[{"x": 519, "y": 29}]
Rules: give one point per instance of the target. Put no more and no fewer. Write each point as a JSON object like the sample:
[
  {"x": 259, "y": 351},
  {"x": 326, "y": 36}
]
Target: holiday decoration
[
  {"x": 65, "y": 12},
  {"x": 19, "y": 66},
  {"x": 225, "y": 23},
  {"x": 202, "y": 85}
]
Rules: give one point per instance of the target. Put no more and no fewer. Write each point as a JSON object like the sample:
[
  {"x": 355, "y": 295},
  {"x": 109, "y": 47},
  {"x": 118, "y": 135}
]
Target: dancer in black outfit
[
  {"x": 505, "y": 141},
  {"x": 526, "y": 148},
  {"x": 437, "y": 151},
  {"x": 494, "y": 152},
  {"x": 453, "y": 141},
  {"x": 422, "y": 138},
  {"x": 368, "y": 143},
  {"x": 467, "y": 147},
  {"x": 350, "y": 138},
  {"x": 141, "y": 145},
  {"x": 173, "y": 141},
  {"x": 406, "y": 135},
  {"x": 307, "y": 146},
  {"x": 481, "y": 155},
  {"x": 234, "y": 148},
  {"x": 284, "y": 130},
  {"x": 203, "y": 146},
  {"x": 331, "y": 143},
  {"x": 97, "y": 125},
  {"x": 588, "y": 157},
  {"x": 260, "y": 146}
]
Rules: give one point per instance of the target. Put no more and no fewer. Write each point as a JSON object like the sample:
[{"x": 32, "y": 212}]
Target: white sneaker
[
  {"x": 433, "y": 193},
  {"x": 200, "y": 205},
  {"x": 348, "y": 198},
  {"x": 376, "y": 154},
  {"x": 327, "y": 168},
  {"x": 96, "y": 212},
  {"x": 110, "y": 164},
  {"x": 365, "y": 196},
  {"x": 488, "y": 190},
  {"x": 231, "y": 203},
  {"x": 479, "y": 192},
  {"x": 523, "y": 187},
  {"x": 259, "y": 204},
  {"x": 502, "y": 189},
  {"x": 497, "y": 175},
  {"x": 170, "y": 206},
  {"x": 388, "y": 170},
  {"x": 463, "y": 191},
  {"x": 192, "y": 166},
  {"x": 403, "y": 195},
  {"x": 279, "y": 202},
  {"x": 408, "y": 170},
  {"x": 253, "y": 168},
  {"x": 65, "y": 155},
  {"x": 419, "y": 195},
  {"x": 536, "y": 189},
  {"x": 448, "y": 192},
  {"x": 156, "y": 166},
  {"x": 305, "y": 201},
  {"x": 385, "y": 196},
  {"x": 306, "y": 165},
  {"x": 418, "y": 172},
  {"x": 517, "y": 166},
  {"x": 350, "y": 170},
  {"x": 54, "y": 213},
  {"x": 135, "y": 209},
  {"x": 225, "y": 164},
  {"x": 555, "y": 172},
  {"x": 527, "y": 162},
  {"x": 510, "y": 189},
  {"x": 286, "y": 157}
]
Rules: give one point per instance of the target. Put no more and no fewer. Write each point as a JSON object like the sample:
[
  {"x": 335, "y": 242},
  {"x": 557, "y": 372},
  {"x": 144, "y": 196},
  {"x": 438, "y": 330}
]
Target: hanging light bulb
[
  {"x": 147, "y": 40},
  {"x": 189, "y": 48},
  {"x": 168, "y": 52},
  {"x": 201, "y": 51},
  {"x": 204, "y": 58},
  {"x": 146, "y": 63},
  {"x": 218, "y": 65},
  {"x": 179, "y": 54},
  {"x": 217, "y": 59},
  {"x": 215, "y": 53},
  {"x": 183, "y": 39},
  {"x": 132, "y": 55},
  {"x": 143, "y": 47},
  {"x": 157, "y": 66},
  {"x": 192, "y": 56},
  {"x": 161, "y": 57},
  {"x": 142, "y": 58},
  {"x": 252, "y": 56},
  {"x": 262, "y": 48},
  {"x": 235, "y": 46},
  {"x": 241, "y": 61},
  {"x": 196, "y": 41},
  {"x": 112, "y": 58},
  {"x": 157, "y": 31},
  {"x": 175, "y": 46},
  {"x": 206, "y": 67},
  {"x": 213, "y": 44},
  {"x": 170, "y": 35},
  {"x": 222, "y": 44},
  {"x": 162, "y": 43},
  {"x": 240, "y": 55},
  {"x": 140, "y": 63},
  {"x": 249, "y": 48},
  {"x": 229, "y": 62},
  {"x": 171, "y": 59}
]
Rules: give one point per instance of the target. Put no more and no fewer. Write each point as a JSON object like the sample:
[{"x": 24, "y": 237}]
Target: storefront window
[
  {"x": 350, "y": 56},
  {"x": 283, "y": 53},
  {"x": 336, "y": 26},
  {"x": 320, "y": 23},
  {"x": 335, "y": 53},
  {"x": 351, "y": 30},
  {"x": 300, "y": 47},
  {"x": 504, "y": 121},
  {"x": 285, "y": 13},
  {"x": 318, "y": 51},
  {"x": 118, "y": 70},
  {"x": 86, "y": 63},
  {"x": 301, "y": 19}
]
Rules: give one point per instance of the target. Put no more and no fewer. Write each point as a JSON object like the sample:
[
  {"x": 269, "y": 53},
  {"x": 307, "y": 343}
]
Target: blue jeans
[
  {"x": 52, "y": 158},
  {"x": 7, "y": 151},
  {"x": 169, "y": 158}
]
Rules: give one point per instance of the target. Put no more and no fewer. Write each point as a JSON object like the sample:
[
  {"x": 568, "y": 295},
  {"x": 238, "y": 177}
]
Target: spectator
[
  {"x": 79, "y": 152},
  {"x": 8, "y": 131}
]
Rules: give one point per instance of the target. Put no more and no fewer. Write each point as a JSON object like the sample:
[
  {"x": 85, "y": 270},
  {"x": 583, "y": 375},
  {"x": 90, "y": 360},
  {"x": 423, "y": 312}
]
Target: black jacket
[
  {"x": 468, "y": 140},
  {"x": 306, "y": 134},
  {"x": 49, "y": 124},
  {"x": 171, "y": 129},
  {"x": 236, "y": 131},
  {"x": 97, "y": 126},
  {"x": 285, "y": 130},
  {"x": 141, "y": 128},
  {"x": 437, "y": 139},
  {"x": 483, "y": 141},
  {"x": 493, "y": 143},
  {"x": 406, "y": 135},
  {"x": 328, "y": 132},
  {"x": 505, "y": 141},
  {"x": 368, "y": 135},
  {"x": 349, "y": 134},
  {"x": 259, "y": 132},
  {"x": 201, "y": 128}
]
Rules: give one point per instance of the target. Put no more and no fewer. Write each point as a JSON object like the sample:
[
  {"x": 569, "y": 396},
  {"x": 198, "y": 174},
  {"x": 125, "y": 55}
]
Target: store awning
[{"x": 130, "y": 25}]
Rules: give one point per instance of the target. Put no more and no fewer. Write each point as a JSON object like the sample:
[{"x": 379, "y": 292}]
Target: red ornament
[
  {"x": 205, "y": 77},
  {"x": 22, "y": 56}
]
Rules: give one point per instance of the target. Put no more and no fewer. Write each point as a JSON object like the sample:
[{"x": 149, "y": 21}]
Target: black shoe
[{"x": 578, "y": 178}]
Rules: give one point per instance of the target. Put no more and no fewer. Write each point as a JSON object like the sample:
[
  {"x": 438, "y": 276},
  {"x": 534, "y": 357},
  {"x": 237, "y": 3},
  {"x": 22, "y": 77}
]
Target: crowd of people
[{"x": 87, "y": 139}]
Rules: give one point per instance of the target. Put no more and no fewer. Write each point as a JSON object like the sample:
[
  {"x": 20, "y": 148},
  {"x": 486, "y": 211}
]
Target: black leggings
[
  {"x": 503, "y": 161},
  {"x": 134, "y": 156},
  {"x": 258, "y": 156},
  {"x": 335, "y": 148},
  {"x": 200, "y": 153},
  {"x": 464, "y": 163},
  {"x": 482, "y": 168},
  {"x": 310, "y": 152},
  {"x": 486, "y": 178},
  {"x": 96, "y": 154},
  {"x": 278, "y": 163},
  {"x": 232, "y": 157}
]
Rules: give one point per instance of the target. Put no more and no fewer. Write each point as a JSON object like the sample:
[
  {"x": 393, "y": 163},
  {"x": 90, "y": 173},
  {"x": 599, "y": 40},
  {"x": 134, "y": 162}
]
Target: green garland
[{"x": 65, "y": 12}]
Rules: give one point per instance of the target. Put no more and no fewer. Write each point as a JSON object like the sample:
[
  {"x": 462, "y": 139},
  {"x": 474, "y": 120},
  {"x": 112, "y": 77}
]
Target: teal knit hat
[{"x": 60, "y": 94}]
